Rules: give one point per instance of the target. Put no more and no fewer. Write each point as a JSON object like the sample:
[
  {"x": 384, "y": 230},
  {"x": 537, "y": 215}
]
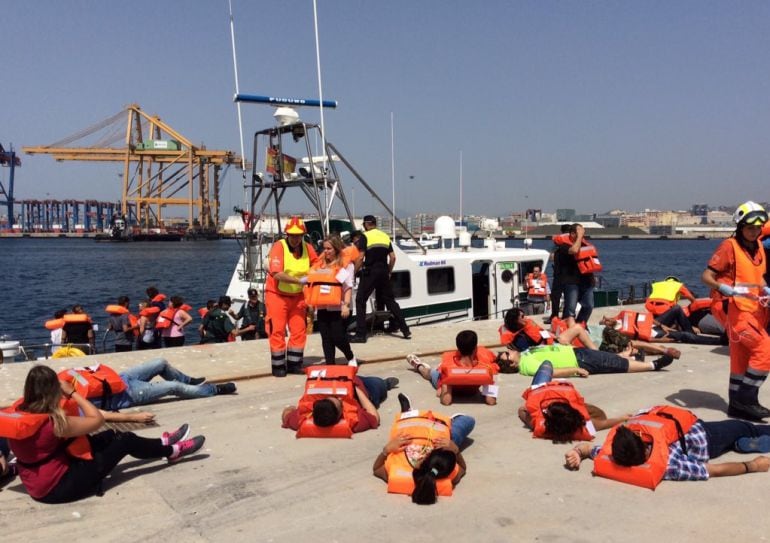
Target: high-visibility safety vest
[
  {"x": 661, "y": 426},
  {"x": 97, "y": 381},
  {"x": 296, "y": 267},
  {"x": 587, "y": 257},
  {"x": 166, "y": 318},
  {"x": 536, "y": 286},
  {"x": 17, "y": 424},
  {"x": 530, "y": 329},
  {"x": 747, "y": 280},
  {"x": 481, "y": 373},
  {"x": 636, "y": 325},
  {"x": 327, "y": 382},
  {"x": 558, "y": 326},
  {"x": 560, "y": 355},
  {"x": 663, "y": 296},
  {"x": 322, "y": 287},
  {"x": 376, "y": 238},
  {"x": 539, "y": 398},
  {"x": 422, "y": 428}
]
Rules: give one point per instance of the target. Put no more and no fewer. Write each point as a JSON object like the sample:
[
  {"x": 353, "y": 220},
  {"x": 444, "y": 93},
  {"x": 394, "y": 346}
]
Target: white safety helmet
[{"x": 750, "y": 213}]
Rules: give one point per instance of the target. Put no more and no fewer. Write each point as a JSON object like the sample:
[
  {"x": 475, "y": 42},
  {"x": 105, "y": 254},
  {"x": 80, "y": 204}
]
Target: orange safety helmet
[{"x": 295, "y": 226}]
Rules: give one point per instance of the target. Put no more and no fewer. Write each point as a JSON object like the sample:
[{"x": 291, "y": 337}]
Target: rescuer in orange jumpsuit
[
  {"x": 736, "y": 270},
  {"x": 290, "y": 260}
]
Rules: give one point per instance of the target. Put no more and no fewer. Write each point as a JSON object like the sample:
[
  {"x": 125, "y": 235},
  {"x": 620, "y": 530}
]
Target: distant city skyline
[{"x": 592, "y": 106}]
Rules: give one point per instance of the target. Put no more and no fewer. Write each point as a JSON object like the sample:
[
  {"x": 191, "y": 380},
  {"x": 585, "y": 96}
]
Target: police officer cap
[{"x": 370, "y": 218}]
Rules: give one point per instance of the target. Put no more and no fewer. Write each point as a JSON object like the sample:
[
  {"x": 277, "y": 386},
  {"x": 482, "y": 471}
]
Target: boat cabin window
[
  {"x": 526, "y": 268},
  {"x": 401, "y": 283},
  {"x": 441, "y": 280}
]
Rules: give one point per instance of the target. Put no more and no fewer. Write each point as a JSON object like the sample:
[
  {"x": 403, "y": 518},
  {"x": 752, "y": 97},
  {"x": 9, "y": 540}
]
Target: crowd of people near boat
[{"x": 422, "y": 456}]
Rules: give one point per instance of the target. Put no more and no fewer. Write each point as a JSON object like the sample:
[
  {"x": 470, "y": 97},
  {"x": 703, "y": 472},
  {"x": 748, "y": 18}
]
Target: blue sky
[{"x": 591, "y": 105}]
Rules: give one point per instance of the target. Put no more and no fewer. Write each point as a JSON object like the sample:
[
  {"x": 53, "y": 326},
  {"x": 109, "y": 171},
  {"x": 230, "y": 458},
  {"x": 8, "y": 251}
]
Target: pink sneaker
[
  {"x": 186, "y": 448},
  {"x": 169, "y": 438}
]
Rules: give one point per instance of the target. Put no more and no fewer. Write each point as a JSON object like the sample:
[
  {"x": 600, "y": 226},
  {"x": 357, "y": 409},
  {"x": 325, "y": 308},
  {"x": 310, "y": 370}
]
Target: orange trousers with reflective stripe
[
  {"x": 283, "y": 311},
  {"x": 749, "y": 342}
]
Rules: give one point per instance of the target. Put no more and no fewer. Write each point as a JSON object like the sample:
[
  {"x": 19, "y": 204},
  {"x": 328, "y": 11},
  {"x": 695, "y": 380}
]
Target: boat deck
[{"x": 255, "y": 482}]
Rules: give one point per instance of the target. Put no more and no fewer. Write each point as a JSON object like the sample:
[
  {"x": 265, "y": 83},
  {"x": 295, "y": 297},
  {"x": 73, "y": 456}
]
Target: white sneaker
[
  {"x": 415, "y": 362},
  {"x": 353, "y": 363}
]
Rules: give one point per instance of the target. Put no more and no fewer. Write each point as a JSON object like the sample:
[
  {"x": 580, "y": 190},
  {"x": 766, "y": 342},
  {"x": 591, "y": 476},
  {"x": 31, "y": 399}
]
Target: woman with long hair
[
  {"x": 173, "y": 334},
  {"x": 330, "y": 282},
  {"x": 422, "y": 458},
  {"x": 735, "y": 273},
  {"x": 60, "y": 462}
]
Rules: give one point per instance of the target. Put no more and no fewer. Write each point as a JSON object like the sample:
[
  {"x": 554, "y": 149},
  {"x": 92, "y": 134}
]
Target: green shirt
[{"x": 561, "y": 356}]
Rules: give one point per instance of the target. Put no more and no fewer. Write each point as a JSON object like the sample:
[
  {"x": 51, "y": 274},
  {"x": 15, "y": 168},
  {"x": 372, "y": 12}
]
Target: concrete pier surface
[{"x": 254, "y": 481}]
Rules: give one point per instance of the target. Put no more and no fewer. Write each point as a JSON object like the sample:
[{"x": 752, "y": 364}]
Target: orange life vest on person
[
  {"x": 662, "y": 425},
  {"x": 481, "y": 373},
  {"x": 149, "y": 311},
  {"x": 636, "y": 325},
  {"x": 423, "y": 428},
  {"x": 322, "y": 287},
  {"x": 536, "y": 286},
  {"x": 325, "y": 382},
  {"x": 530, "y": 329},
  {"x": 747, "y": 279},
  {"x": 16, "y": 424},
  {"x": 54, "y": 324},
  {"x": 587, "y": 257},
  {"x": 558, "y": 326},
  {"x": 98, "y": 381},
  {"x": 158, "y": 298},
  {"x": 539, "y": 398},
  {"x": 166, "y": 318},
  {"x": 76, "y": 317},
  {"x": 202, "y": 311},
  {"x": 116, "y": 309},
  {"x": 698, "y": 305},
  {"x": 350, "y": 254}
]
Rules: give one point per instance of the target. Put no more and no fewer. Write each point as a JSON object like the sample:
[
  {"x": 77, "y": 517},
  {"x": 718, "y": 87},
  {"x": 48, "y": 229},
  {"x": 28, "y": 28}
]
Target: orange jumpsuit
[
  {"x": 746, "y": 318},
  {"x": 285, "y": 305}
]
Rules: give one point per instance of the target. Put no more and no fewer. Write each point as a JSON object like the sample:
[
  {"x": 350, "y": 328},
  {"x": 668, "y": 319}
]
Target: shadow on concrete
[{"x": 694, "y": 399}]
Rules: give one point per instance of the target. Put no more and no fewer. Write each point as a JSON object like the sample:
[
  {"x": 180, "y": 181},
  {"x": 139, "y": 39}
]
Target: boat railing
[{"x": 30, "y": 352}]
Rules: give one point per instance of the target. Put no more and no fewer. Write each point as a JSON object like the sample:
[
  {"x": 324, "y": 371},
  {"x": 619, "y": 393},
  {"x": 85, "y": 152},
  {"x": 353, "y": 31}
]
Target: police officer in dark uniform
[{"x": 379, "y": 260}]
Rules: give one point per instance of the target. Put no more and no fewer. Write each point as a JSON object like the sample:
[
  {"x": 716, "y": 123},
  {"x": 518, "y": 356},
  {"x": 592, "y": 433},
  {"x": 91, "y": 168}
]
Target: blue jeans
[
  {"x": 142, "y": 390},
  {"x": 723, "y": 434},
  {"x": 376, "y": 389},
  {"x": 544, "y": 374},
  {"x": 583, "y": 293},
  {"x": 462, "y": 425},
  {"x": 435, "y": 375}
]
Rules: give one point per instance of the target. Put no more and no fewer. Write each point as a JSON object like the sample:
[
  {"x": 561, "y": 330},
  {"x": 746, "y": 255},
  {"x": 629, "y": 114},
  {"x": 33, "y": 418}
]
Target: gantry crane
[
  {"x": 10, "y": 160},
  {"x": 160, "y": 167}
]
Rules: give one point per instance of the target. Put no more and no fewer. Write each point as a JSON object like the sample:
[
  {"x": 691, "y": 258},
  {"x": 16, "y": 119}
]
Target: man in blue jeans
[
  {"x": 577, "y": 287},
  {"x": 142, "y": 390}
]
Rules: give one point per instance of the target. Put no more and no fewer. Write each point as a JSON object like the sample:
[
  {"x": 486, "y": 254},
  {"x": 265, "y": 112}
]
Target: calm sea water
[{"x": 43, "y": 275}]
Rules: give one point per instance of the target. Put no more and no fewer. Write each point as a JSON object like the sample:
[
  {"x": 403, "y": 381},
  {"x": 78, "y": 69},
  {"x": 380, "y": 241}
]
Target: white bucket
[{"x": 10, "y": 349}]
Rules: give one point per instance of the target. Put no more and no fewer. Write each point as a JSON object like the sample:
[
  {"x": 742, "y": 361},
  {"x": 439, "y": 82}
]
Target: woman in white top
[{"x": 331, "y": 319}]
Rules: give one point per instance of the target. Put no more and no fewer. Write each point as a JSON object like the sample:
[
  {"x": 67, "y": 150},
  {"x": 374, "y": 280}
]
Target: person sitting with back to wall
[
  {"x": 78, "y": 330},
  {"x": 671, "y": 443},
  {"x": 663, "y": 303},
  {"x": 337, "y": 402},
  {"x": 569, "y": 361},
  {"x": 216, "y": 326},
  {"x": 252, "y": 318},
  {"x": 135, "y": 386},
  {"x": 422, "y": 457},
  {"x": 462, "y": 373},
  {"x": 556, "y": 410}
]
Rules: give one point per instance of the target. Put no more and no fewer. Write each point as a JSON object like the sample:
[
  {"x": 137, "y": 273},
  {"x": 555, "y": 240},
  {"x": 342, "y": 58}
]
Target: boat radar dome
[
  {"x": 445, "y": 227},
  {"x": 286, "y": 116}
]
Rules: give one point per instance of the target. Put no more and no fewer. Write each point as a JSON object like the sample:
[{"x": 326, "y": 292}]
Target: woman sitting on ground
[
  {"x": 46, "y": 462},
  {"x": 428, "y": 447}
]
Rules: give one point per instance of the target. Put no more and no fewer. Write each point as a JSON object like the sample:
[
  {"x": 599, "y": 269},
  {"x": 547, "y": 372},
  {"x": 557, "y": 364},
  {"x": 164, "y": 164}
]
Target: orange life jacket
[
  {"x": 98, "y": 381},
  {"x": 481, "y": 373},
  {"x": 54, "y": 324},
  {"x": 322, "y": 287},
  {"x": 536, "y": 286},
  {"x": 350, "y": 254},
  {"x": 698, "y": 305},
  {"x": 76, "y": 317},
  {"x": 587, "y": 257},
  {"x": 202, "y": 311},
  {"x": 530, "y": 329},
  {"x": 159, "y": 298},
  {"x": 149, "y": 311},
  {"x": 424, "y": 428},
  {"x": 539, "y": 398},
  {"x": 662, "y": 426},
  {"x": 16, "y": 424},
  {"x": 115, "y": 309},
  {"x": 558, "y": 326},
  {"x": 747, "y": 279},
  {"x": 325, "y": 382},
  {"x": 636, "y": 325},
  {"x": 166, "y": 318}
]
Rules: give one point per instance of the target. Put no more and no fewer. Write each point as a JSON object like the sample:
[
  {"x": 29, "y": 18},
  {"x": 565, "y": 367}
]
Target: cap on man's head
[{"x": 370, "y": 219}]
